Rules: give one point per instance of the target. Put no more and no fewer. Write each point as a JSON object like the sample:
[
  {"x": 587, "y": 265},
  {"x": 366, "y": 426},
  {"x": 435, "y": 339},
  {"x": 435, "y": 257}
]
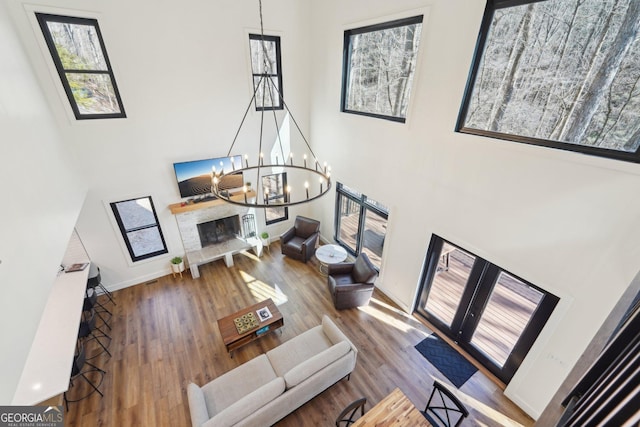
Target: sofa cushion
[
  {"x": 363, "y": 271},
  {"x": 332, "y": 331},
  {"x": 296, "y": 243},
  {"x": 310, "y": 366},
  {"x": 197, "y": 405},
  {"x": 248, "y": 404},
  {"x": 341, "y": 279},
  {"x": 228, "y": 388},
  {"x": 290, "y": 354}
]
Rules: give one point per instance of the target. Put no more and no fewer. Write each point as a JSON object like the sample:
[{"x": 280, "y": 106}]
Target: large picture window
[
  {"x": 558, "y": 73},
  {"x": 361, "y": 223},
  {"x": 378, "y": 68},
  {"x": 139, "y": 227},
  {"x": 80, "y": 57},
  {"x": 266, "y": 67}
]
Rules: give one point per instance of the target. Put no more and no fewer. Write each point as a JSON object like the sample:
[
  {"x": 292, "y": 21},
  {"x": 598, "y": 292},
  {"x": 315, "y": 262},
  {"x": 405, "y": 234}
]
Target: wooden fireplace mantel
[{"x": 178, "y": 208}]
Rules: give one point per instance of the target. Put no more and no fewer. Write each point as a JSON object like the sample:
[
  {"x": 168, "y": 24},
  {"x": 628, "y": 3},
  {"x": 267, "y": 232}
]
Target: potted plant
[
  {"x": 264, "y": 236},
  {"x": 177, "y": 265}
]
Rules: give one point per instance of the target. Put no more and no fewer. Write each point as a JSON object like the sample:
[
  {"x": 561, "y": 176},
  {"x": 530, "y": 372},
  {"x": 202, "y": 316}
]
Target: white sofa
[{"x": 265, "y": 389}]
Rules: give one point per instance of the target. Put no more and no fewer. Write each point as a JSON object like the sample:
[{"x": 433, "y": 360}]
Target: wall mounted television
[{"x": 194, "y": 177}]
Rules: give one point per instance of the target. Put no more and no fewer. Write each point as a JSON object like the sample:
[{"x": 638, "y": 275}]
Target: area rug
[{"x": 452, "y": 364}]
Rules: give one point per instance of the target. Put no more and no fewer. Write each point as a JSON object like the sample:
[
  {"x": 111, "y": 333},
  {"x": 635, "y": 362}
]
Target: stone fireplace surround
[{"x": 197, "y": 255}]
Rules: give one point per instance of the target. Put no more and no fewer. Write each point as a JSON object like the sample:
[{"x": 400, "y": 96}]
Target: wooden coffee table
[{"x": 233, "y": 340}]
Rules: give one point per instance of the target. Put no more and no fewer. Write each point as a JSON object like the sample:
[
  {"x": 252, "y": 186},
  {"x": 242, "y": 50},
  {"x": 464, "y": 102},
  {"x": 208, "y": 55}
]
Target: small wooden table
[
  {"x": 394, "y": 410},
  {"x": 233, "y": 340}
]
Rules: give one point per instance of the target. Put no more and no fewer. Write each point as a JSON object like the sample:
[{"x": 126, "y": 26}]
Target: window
[
  {"x": 80, "y": 57},
  {"x": 559, "y": 73},
  {"x": 378, "y": 68},
  {"x": 267, "y": 71},
  {"x": 492, "y": 314},
  {"x": 273, "y": 189},
  {"x": 139, "y": 226},
  {"x": 361, "y": 223}
]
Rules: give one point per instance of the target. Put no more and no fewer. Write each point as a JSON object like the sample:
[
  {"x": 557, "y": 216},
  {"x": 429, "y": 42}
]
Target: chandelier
[{"x": 311, "y": 179}]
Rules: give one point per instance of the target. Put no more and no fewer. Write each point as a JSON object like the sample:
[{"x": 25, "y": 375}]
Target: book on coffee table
[{"x": 264, "y": 314}]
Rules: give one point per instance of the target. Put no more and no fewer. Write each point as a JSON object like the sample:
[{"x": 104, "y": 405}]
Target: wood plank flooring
[{"x": 165, "y": 335}]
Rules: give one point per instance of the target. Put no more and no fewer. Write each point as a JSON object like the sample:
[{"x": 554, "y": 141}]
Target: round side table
[{"x": 330, "y": 254}]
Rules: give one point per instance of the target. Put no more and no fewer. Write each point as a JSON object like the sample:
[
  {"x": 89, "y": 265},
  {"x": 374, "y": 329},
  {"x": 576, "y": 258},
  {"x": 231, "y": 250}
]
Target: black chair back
[
  {"x": 348, "y": 415},
  {"x": 444, "y": 408}
]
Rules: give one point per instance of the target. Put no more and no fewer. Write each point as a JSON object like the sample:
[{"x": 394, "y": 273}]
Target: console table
[{"x": 47, "y": 369}]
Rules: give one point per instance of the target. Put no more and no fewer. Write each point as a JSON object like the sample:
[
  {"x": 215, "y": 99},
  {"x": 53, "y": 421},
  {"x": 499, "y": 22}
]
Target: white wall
[
  {"x": 560, "y": 220},
  {"x": 41, "y": 195},
  {"x": 184, "y": 74}
]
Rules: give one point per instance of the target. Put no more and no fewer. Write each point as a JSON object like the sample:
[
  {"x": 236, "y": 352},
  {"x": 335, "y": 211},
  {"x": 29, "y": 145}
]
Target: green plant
[
  {"x": 264, "y": 235},
  {"x": 176, "y": 260}
]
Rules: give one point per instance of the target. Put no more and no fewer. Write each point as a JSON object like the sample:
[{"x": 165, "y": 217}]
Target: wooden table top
[
  {"x": 394, "y": 410},
  {"x": 228, "y": 328}
]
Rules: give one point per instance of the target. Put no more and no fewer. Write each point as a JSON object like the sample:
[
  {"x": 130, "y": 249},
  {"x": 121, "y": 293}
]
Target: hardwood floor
[{"x": 165, "y": 335}]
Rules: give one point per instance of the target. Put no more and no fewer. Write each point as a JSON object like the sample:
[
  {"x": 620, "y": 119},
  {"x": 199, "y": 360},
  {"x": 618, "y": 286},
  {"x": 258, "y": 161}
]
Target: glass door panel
[
  {"x": 375, "y": 228},
  {"x": 511, "y": 306},
  {"x": 451, "y": 277},
  {"x": 349, "y": 223}
]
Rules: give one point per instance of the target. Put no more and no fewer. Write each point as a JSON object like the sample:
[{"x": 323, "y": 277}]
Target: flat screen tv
[{"x": 194, "y": 177}]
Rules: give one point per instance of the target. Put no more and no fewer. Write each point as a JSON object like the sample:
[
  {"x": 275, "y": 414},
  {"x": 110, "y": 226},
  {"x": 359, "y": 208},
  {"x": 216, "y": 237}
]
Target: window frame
[
  {"x": 481, "y": 281},
  {"x": 283, "y": 195},
  {"x": 124, "y": 230},
  {"x": 365, "y": 204},
  {"x": 346, "y": 55},
  {"x": 43, "y": 19},
  {"x": 483, "y": 35},
  {"x": 277, "y": 75}
]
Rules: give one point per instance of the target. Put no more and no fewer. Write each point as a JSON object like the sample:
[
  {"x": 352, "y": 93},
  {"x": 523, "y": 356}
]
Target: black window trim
[
  {"x": 124, "y": 231},
  {"x": 483, "y": 276},
  {"x": 346, "y": 54},
  {"x": 276, "y": 197},
  {"x": 362, "y": 201},
  {"x": 43, "y": 18},
  {"x": 280, "y": 100},
  {"x": 490, "y": 8}
]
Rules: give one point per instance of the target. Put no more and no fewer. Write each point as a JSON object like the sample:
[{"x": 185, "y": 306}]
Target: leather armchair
[
  {"x": 351, "y": 284},
  {"x": 300, "y": 241}
]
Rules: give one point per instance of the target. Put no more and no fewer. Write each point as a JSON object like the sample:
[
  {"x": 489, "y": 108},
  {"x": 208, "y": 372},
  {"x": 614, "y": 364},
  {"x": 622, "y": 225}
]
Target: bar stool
[
  {"x": 79, "y": 369},
  {"x": 91, "y": 303},
  {"x": 89, "y": 331},
  {"x": 95, "y": 281}
]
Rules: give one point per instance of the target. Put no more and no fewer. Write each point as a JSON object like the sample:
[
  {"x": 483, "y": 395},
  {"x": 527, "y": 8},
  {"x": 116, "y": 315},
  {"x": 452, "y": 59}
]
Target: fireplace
[{"x": 219, "y": 230}]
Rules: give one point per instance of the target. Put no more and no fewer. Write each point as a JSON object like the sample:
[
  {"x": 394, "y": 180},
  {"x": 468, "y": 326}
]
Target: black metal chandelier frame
[{"x": 314, "y": 168}]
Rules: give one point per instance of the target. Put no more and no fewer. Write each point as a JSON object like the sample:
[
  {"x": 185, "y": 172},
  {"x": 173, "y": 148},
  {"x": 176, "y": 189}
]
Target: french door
[{"x": 489, "y": 312}]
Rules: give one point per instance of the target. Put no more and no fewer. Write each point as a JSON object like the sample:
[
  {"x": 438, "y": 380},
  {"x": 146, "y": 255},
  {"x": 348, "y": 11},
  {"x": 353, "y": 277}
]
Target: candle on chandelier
[
  {"x": 246, "y": 160},
  {"x": 291, "y": 158},
  {"x": 305, "y": 160},
  {"x": 306, "y": 188},
  {"x": 244, "y": 189},
  {"x": 261, "y": 159}
]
